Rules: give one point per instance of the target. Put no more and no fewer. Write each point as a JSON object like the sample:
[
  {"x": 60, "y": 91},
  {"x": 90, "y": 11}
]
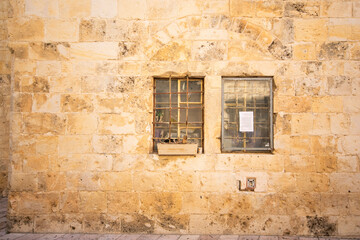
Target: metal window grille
[
  {"x": 178, "y": 110},
  {"x": 252, "y": 96}
]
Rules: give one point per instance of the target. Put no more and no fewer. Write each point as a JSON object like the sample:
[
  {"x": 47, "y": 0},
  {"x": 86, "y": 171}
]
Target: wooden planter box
[{"x": 177, "y": 149}]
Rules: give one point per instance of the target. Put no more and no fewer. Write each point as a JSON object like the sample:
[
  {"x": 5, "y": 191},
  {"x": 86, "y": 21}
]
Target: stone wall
[
  {"x": 81, "y": 129},
  {"x": 5, "y": 93}
]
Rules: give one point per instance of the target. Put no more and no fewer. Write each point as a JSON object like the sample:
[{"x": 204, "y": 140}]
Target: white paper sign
[{"x": 246, "y": 121}]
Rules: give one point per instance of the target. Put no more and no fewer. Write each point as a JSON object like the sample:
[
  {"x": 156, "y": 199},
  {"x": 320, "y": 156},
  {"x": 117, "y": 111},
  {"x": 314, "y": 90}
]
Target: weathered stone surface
[
  {"x": 92, "y": 30},
  {"x": 93, "y": 202},
  {"x": 104, "y": 9},
  {"x": 42, "y": 123},
  {"x": 75, "y": 144},
  {"x": 310, "y": 30},
  {"x": 81, "y": 123},
  {"x": 132, "y": 9},
  {"x": 26, "y": 29},
  {"x": 209, "y": 51},
  {"x": 116, "y": 124},
  {"x": 302, "y": 9},
  {"x": 61, "y": 31},
  {"x": 70, "y": 9},
  {"x": 76, "y": 103}
]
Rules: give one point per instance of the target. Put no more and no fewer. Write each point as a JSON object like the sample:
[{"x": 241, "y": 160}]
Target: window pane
[
  {"x": 178, "y": 110},
  {"x": 246, "y": 95},
  {"x": 162, "y": 86}
]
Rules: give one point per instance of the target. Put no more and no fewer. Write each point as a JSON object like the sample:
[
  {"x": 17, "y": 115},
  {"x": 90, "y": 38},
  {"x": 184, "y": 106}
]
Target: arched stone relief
[{"x": 215, "y": 38}]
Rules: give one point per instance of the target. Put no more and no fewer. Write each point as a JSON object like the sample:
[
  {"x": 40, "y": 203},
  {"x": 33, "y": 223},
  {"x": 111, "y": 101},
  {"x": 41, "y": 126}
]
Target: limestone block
[
  {"x": 69, "y": 202},
  {"x": 305, "y": 204},
  {"x": 45, "y": 51},
  {"x": 339, "y": 29},
  {"x": 24, "y": 67},
  {"x": 71, "y": 223},
  {"x": 83, "y": 68},
  {"x": 243, "y": 8},
  {"x": 283, "y": 182},
  {"x": 333, "y": 51},
  {"x": 356, "y": 9},
  {"x": 304, "y": 51},
  {"x": 123, "y": 202},
  {"x": 61, "y": 31},
  {"x": 81, "y": 123},
  {"x": 64, "y": 84},
  {"x": 247, "y": 50},
  {"x": 47, "y": 145},
  {"x": 123, "y": 30},
  {"x": 48, "y": 68},
  {"x": 350, "y": 144},
  {"x": 131, "y": 50},
  {"x": 310, "y": 182},
  {"x": 162, "y": 9},
  {"x": 310, "y": 30},
  {"x": 99, "y": 162},
  {"x": 77, "y": 9},
  {"x": 300, "y": 163},
  {"x": 20, "y": 50},
  {"x": 106, "y": 68},
  {"x": 302, "y": 123},
  {"x": 116, "y": 181},
  {"x": 272, "y": 8},
  {"x": 355, "y": 51},
  {"x": 41, "y": 8},
  {"x": 86, "y": 181},
  {"x": 351, "y": 68},
  {"x": 92, "y": 30},
  {"x": 292, "y": 104},
  {"x": 23, "y": 182},
  {"x": 75, "y": 144},
  {"x": 336, "y": 9},
  {"x": 354, "y": 125},
  {"x": 148, "y": 181},
  {"x": 322, "y": 124},
  {"x": 347, "y": 163},
  {"x": 21, "y": 223},
  {"x": 334, "y": 204},
  {"x": 302, "y": 9},
  {"x": 35, "y": 163},
  {"x": 51, "y": 181},
  {"x": 109, "y": 103},
  {"x": 300, "y": 145},
  {"x": 132, "y": 9},
  {"x": 182, "y": 181},
  {"x": 22, "y": 102},
  {"x": 104, "y": 8},
  {"x": 231, "y": 203},
  {"x": 26, "y": 29},
  {"x": 161, "y": 202},
  {"x": 354, "y": 204},
  {"x": 93, "y": 202},
  {"x": 94, "y": 50},
  {"x": 173, "y": 51},
  {"x": 127, "y": 162},
  {"x": 195, "y": 203},
  {"x": 349, "y": 225},
  {"x": 42, "y": 123},
  {"x": 329, "y": 104},
  {"x": 121, "y": 85},
  {"x": 94, "y": 84},
  {"x": 326, "y": 163},
  {"x": 216, "y": 7},
  {"x": 218, "y": 181},
  {"x": 49, "y": 103},
  {"x": 206, "y": 224},
  {"x": 209, "y": 50},
  {"x": 116, "y": 124},
  {"x": 76, "y": 103},
  {"x": 136, "y": 223},
  {"x": 34, "y": 203},
  {"x": 345, "y": 182},
  {"x": 107, "y": 144}
]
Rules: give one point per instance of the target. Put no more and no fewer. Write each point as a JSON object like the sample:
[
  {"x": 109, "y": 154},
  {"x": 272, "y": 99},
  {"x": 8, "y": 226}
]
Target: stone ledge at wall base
[{"x": 187, "y": 149}]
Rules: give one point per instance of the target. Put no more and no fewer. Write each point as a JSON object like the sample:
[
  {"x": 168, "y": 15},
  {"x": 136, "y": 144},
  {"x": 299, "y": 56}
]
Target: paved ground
[{"x": 30, "y": 236}]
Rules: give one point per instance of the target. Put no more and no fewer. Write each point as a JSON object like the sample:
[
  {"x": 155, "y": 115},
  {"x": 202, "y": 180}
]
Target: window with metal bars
[
  {"x": 178, "y": 110},
  {"x": 247, "y": 123}
]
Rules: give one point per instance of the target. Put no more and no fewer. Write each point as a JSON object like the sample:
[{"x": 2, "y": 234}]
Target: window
[
  {"x": 178, "y": 110},
  {"x": 247, "y": 114}
]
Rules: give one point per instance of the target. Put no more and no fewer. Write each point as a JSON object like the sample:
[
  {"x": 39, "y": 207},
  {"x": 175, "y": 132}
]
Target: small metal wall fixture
[{"x": 250, "y": 184}]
